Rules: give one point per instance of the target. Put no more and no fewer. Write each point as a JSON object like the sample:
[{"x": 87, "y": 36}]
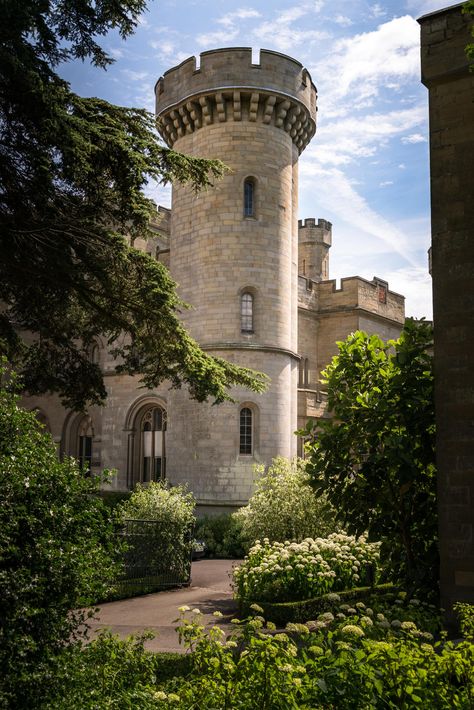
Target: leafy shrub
[
  {"x": 173, "y": 510},
  {"x": 356, "y": 663},
  {"x": 284, "y": 506},
  {"x": 113, "y": 672},
  {"x": 296, "y": 571},
  {"x": 57, "y": 546},
  {"x": 222, "y": 535}
]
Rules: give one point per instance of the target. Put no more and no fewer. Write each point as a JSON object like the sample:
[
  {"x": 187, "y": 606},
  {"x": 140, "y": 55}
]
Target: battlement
[
  {"x": 227, "y": 85},
  {"x": 356, "y": 292},
  {"x": 311, "y": 222}
]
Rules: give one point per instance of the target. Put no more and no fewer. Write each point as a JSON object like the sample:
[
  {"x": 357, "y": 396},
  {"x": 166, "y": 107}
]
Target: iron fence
[{"x": 154, "y": 558}]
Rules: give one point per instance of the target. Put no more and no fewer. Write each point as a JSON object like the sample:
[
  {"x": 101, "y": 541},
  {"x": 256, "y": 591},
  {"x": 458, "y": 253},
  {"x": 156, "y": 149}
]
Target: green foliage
[
  {"x": 57, "y": 549},
  {"x": 468, "y": 9},
  {"x": 168, "y": 546},
  {"x": 281, "y": 613},
  {"x": 72, "y": 172},
  {"x": 110, "y": 672},
  {"x": 284, "y": 506},
  {"x": 293, "y": 571},
  {"x": 355, "y": 659},
  {"x": 356, "y": 662},
  {"x": 222, "y": 535},
  {"x": 375, "y": 458}
]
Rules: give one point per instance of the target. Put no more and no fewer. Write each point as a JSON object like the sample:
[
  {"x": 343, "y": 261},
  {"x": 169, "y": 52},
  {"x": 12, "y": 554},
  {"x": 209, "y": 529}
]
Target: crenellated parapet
[{"x": 227, "y": 86}]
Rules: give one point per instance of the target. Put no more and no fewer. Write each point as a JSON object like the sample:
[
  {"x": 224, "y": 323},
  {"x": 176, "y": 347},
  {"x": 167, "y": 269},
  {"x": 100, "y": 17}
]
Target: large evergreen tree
[{"x": 72, "y": 172}]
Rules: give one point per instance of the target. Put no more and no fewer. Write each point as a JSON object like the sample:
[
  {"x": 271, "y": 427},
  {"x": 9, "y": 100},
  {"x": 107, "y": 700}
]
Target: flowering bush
[
  {"x": 290, "y": 571},
  {"x": 284, "y": 506},
  {"x": 357, "y": 661},
  {"x": 169, "y": 546}
]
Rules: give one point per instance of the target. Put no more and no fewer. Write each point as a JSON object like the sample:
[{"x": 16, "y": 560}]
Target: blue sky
[{"x": 367, "y": 169}]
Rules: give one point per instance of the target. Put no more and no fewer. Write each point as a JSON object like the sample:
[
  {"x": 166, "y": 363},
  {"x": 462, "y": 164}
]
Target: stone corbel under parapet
[{"x": 237, "y": 104}]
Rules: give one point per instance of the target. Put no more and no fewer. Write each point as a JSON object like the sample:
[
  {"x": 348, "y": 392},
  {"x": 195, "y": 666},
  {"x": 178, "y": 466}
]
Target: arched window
[
  {"x": 246, "y": 431},
  {"x": 249, "y": 197},
  {"x": 246, "y": 312},
  {"x": 85, "y": 434},
  {"x": 152, "y": 445},
  {"x": 303, "y": 379}
]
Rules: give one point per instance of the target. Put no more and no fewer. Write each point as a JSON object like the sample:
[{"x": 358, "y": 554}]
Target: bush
[
  {"x": 357, "y": 662},
  {"x": 169, "y": 545},
  {"x": 222, "y": 535},
  {"x": 284, "y": 506},
  {"x": 293, "y": 571},
  {"x": 113, "y": 672},
  {"x": 58, "y": 551}
]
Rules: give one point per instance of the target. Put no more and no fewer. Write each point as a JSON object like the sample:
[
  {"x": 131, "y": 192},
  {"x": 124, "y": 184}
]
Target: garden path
[{"x": 210, "y": 591}]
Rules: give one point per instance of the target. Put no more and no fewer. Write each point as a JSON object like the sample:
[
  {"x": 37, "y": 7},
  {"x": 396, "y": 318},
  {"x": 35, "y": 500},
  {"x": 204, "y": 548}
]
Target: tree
[
  {"x": 376, "y": 458},
  {"x": 58, "y": 550},
  {"x": 72, "y": 171},
  {"x": 284, "y": 506}
]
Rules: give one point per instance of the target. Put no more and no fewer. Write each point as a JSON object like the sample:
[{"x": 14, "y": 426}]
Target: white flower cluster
[{"x": 290, "y": 571}]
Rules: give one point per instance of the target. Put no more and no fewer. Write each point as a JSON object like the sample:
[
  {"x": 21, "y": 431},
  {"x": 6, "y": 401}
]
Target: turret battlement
[
  {"x": 311, "y": 222},
  {"x": 314, "y": 241},
  {"x": 228, "y": 86}
]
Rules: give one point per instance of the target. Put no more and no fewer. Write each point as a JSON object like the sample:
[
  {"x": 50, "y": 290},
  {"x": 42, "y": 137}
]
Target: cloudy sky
[{"x": 366, "y": 170}]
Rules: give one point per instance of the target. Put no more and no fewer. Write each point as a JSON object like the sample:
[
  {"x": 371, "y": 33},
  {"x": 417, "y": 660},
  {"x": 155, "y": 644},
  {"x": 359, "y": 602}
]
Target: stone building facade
[
  {"x": 257, "y": 280},
  {"x": 445, "y": 72}
]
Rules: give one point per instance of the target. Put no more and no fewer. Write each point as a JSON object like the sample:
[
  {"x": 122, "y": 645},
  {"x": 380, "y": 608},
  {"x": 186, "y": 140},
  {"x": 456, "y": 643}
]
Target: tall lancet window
[
  {"x": 246, "y": 313},
  {"x": 246, "y": 431},
  {"x": 153, "y": 458},
  {"x": 249, "y": 197}
]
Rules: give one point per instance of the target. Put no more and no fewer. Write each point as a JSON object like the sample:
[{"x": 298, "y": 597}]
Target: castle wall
[{"x": 445, "y": 72}]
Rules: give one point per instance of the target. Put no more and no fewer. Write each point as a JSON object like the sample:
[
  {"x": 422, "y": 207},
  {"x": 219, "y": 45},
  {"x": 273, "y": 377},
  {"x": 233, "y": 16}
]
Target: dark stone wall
[{"x": 446, "y": 74}]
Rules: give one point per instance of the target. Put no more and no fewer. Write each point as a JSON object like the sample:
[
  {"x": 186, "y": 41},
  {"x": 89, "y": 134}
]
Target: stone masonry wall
[{"x": 445, "y": 72}]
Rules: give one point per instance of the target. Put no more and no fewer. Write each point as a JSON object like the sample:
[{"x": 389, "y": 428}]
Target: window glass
[
  {"x": 249, "y": 198},
  {"x": 153, "y": 461},
  {"x": 246, "y": 313},
  {"x": 245, "y": 431}
]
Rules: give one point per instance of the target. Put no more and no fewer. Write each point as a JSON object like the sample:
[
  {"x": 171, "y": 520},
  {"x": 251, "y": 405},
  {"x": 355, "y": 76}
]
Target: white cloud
[
  {"x": 367, "y": 62},
  {"x": 341, "y": 141},
  {"x": 240, "y": 14},
  {"x": 219, "y": 38},
  {"x": 135, "y": 75},
  {"x": 385, "y": 183},
  {"x": 343, "y": 20},
  {"x": 338, "y": 195},
  {"x": 377, "y": 10},
  {"x": 414, "y": 138},
  {"x": 402, "y": 166},
  {"x": 415, "y": 284},
  {"x": 281, "y": 33}
]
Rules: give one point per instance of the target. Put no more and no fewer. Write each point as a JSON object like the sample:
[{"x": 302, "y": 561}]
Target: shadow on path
[{"x": 210, "y": 591}]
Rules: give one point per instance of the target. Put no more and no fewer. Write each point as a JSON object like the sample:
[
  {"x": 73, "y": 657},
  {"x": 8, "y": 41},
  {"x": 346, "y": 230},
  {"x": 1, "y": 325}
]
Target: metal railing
[{"x": 154, "y": 559}]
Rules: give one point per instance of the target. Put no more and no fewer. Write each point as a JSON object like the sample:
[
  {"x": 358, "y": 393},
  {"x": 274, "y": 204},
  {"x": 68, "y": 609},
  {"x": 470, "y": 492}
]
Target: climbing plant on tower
[{"x": 72, "y": 173}]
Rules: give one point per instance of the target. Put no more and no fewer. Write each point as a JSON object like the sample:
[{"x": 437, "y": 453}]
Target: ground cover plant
[
  {"x": 284, "y": 506},
  {"x": 291, "y": 571},
  {"x": 354, "y": 659}
]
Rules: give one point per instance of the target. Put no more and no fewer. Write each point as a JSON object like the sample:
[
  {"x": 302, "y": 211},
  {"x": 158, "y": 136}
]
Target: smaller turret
[{"x": 314, "y": 241}]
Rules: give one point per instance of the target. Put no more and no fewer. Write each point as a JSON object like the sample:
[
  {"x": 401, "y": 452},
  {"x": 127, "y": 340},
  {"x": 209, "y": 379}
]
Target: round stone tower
[{"x": 234, "y": 255}]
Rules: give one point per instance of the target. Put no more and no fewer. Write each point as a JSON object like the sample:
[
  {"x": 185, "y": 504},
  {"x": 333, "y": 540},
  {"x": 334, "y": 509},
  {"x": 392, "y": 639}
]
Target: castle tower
[
  {"x": 234, "y": 255},
  {"x": 315, "y": 239}
]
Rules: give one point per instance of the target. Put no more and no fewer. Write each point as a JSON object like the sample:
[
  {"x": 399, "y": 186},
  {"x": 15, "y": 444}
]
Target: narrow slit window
[
  {"x": 245, "y": 431},
  {"x": 249, "y": 198},
  {"x": 246, "y": 313}
]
